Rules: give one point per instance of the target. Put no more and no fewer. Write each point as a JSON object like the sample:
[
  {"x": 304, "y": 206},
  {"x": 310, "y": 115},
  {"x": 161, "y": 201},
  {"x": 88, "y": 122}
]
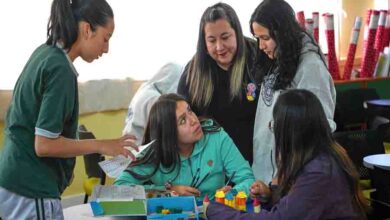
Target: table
[
  {"x": 84, "y": 211},
  {"x": 379, "y": 102},
  {"x": 379, "y": 107},
  {"x": 380, "y": 160}
]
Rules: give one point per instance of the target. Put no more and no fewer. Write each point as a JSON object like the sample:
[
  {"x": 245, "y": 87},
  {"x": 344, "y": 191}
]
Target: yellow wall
[
  {"x": 351, "y": 9},
  {"x": 103, "y": 125}
]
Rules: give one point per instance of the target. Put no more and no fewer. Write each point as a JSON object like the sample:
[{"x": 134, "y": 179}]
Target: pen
[
  {"x": 201, "y": 181},
  {"x": 231, "y": 177},
  {"x": 195, "y": 177}
]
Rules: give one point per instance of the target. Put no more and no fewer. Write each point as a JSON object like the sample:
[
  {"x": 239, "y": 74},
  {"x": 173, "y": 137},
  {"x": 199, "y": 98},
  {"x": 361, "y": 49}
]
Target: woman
[
  {"x": 317, "y": 180},
  {"x": 189, "y": 157},
  {"x": 290, "y": 59},
  {"x": 219, "y": 81},
  {"x": 38, "y": 158}
]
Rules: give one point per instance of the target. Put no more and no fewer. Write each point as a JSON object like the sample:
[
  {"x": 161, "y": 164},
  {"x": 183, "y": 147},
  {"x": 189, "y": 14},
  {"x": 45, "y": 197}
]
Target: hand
[
  {"x": 115, "y": 147},
  {"x": 225, "y": 189},
  {"x": 259, "y": 189},
  {"x": 185, "y": 190}
]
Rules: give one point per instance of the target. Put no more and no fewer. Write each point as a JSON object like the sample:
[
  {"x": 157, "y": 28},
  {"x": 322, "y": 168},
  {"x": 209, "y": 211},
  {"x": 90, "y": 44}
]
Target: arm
[
  {"x": 306, "y": 200},
  {"x": 141, "y": 108},
  {"x": 233, "y": 161},
  {"x": 127, "y": 179},
  {"x": 64, "y": 147},
  {"x": 313, "y": 76},
  {"x": 183, "y": 87}
]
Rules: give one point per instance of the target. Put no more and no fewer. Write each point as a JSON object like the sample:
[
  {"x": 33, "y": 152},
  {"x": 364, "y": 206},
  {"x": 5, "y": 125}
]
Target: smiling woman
[{"x": 145, "y": 37}]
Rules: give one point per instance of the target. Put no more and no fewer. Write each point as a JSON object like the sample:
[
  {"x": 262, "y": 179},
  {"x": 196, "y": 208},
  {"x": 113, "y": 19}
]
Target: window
[{"x": 148, "y": 34}]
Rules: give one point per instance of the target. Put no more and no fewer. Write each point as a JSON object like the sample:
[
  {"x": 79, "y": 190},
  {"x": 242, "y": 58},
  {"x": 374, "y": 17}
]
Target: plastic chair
[
  {"x": 350, "y": 112},
  {"x": 92, "y": 168}
]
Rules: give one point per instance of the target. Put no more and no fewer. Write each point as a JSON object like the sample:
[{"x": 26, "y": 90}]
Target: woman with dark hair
[
  {"x": 317, "y": 180},
  {"x": 188, "y": 156},
  {"x": 290, "y": 59},
  {"x": 219, "y": 81},
  {"x": 38, "y": 158}
]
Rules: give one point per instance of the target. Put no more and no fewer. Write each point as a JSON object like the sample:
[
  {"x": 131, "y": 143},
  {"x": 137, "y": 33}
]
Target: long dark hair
[
  {"x": 162, "y": 127},
  {"x": 279, "y": 18},
  {"x": 66, "y": 14},
  {"x": 200, "y": 73},
  {"x": 302, "y": 132}
]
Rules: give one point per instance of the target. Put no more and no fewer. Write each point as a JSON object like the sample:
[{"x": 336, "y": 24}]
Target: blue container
[{"x": 187, "y": 204}]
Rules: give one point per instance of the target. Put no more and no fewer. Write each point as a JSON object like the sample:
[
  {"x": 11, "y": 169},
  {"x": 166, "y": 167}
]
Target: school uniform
[{"x": 44, "y": 103}]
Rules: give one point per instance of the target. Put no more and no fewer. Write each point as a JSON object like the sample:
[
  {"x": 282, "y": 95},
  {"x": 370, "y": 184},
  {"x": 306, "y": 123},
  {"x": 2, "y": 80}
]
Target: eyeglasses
[{"x": 271, "y": 125}]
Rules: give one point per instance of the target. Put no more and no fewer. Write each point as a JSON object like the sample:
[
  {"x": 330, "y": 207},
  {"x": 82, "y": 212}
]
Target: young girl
[
  {"x": 317, "y": 180},
  {"x": 219, "y": 81},
  {"x": 290, "y": 59},
  {"x": 189, "y": 157},
  {"x": 38, "y": 158}
]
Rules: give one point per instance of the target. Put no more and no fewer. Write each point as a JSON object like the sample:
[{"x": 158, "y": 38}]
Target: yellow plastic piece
[{"x": 220, "y": 196}]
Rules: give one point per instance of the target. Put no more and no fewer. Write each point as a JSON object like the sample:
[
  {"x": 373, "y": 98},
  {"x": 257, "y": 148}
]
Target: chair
[
  {"x": 350, "y": 112},
  {"x": 380, "y": 198},
  {"x": 94, "y": 172},
  {"x": 361, "y": 143}
]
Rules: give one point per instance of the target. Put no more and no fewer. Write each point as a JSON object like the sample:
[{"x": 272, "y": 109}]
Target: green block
[{"x": 124, "y": 208}]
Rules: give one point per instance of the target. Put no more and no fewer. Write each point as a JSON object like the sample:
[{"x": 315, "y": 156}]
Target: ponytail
[{"x": 66, "y": 14}]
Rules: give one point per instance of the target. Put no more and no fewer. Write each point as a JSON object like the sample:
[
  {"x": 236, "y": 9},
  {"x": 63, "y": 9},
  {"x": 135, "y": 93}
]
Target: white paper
[
  {"x": 115, "y": 166},
  {"x": 118, "y": 193}
]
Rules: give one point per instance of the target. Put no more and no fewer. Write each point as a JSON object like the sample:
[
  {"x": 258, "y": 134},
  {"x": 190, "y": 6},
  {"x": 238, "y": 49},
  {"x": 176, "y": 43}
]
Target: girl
[
  {"x": 290, "y": 59},
  {"x": 189, "y": 157},
  {"x": 317, "y": 180},
  {"x": 38, "y": 158}
]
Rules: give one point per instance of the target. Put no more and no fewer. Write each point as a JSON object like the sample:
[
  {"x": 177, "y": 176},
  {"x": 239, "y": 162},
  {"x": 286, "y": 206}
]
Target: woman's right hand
[
  {"x": 259, "y": 189},
  {"x": 182, "y": 190}
]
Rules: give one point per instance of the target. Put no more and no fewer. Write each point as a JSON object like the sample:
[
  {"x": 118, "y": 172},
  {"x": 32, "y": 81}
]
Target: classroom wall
[{"x": 104, "y": 125}]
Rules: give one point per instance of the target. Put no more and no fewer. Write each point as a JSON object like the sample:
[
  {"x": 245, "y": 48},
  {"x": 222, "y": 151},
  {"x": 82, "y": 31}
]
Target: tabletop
[
  {"x": 380, "y": 160},
  {"x": 379, "y": 102}
]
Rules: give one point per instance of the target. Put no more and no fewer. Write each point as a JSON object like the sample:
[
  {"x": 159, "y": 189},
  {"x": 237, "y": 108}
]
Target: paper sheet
[
  {"x": 115, "y": 166},
  {"x": 118, "y": 193}
]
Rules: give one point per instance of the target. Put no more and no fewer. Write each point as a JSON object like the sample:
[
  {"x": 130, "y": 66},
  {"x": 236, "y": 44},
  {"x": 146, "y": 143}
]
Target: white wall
[{"x": 148, "y": 34}]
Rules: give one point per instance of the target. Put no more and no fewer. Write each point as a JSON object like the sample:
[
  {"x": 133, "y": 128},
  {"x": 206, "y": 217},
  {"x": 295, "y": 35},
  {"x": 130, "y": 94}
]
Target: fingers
[
  {"x": 255, "y": 189},
  {"x": 129, "y": 141},
  {"x": 127, "y": 153},
  {"x": 129, "y": 136},
  {"x": 188, "y": 191},
  {"x": 226, "y": 189}
]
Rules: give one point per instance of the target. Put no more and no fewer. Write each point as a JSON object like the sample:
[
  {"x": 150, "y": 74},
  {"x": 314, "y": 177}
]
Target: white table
[
  {"x": 380, "y": 160},
  {"x": 84, "y": 211}
]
